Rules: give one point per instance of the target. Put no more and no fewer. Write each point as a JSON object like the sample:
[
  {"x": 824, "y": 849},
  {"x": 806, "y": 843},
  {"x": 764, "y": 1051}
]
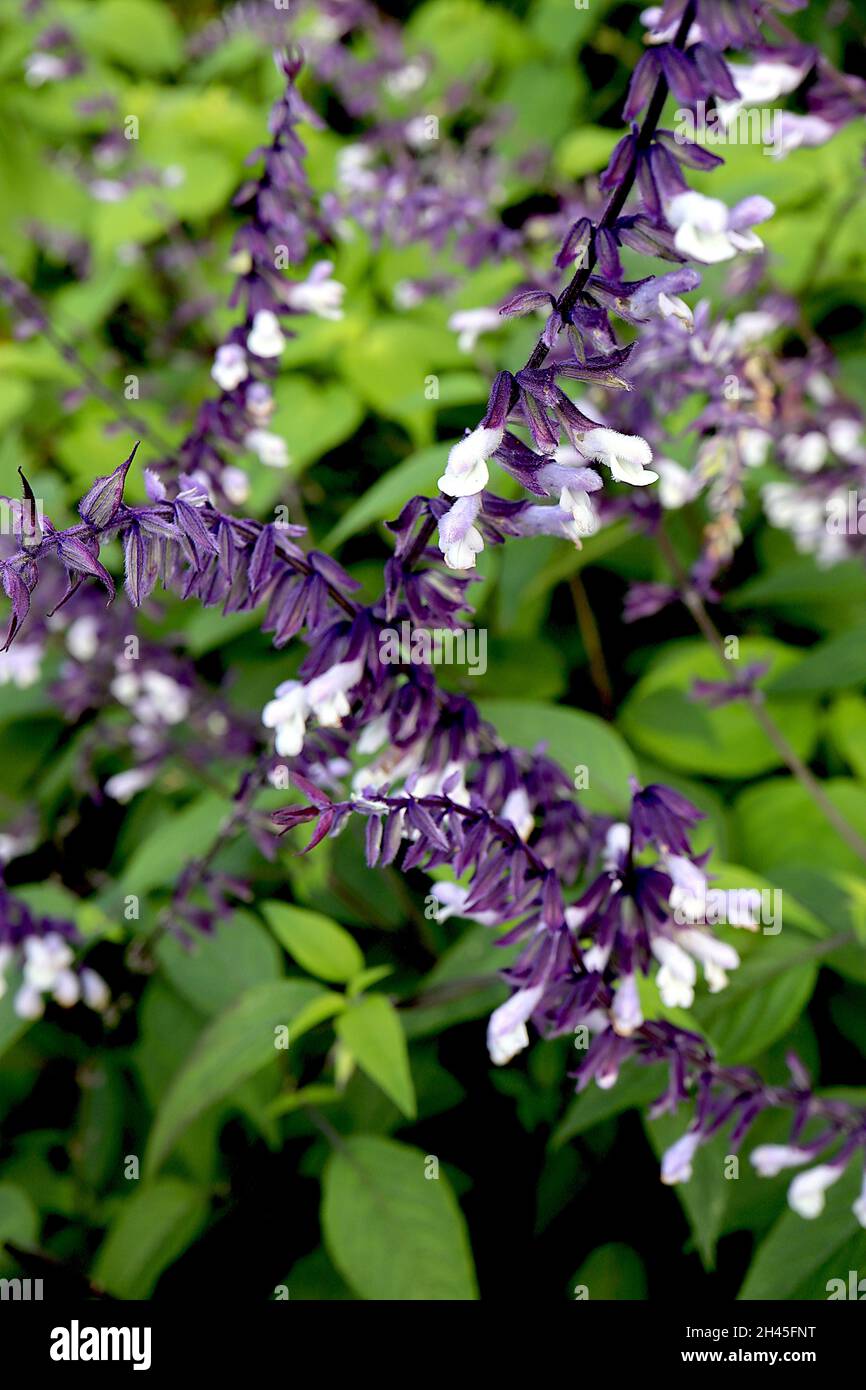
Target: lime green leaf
[
  {"x": 140, "y": 34},
  {"x": 372, "y": 1032},
  {"x": 393, "y": 1231},
  {"x": 233, "y": 1048},
  {"x": 153, "y": 1227},
  {"x": 319, "y": 945}
]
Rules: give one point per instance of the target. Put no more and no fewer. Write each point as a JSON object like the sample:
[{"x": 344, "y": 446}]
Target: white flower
[
  {"x": 758, "y": 84},
  {"x": 516, "y": 809},
  {"x": 676, "y": 484},
  {"x": 230, "y": 366},
  {"x": 626, "y": 455},
  {"x": 21, "y": 665},
  {"x": 287, "y": 713},
  {"x": 626, "y": 1014},
  {"x": 353, "y": 169},
  {"x": 235, "y": 484},
  {"x": 162, "y": 701},
  {"x": 580, "y": 509},
  {"x": 859, "y": 1207},
  {"x": 708, "y": 230},
  {"x": 715, "y": 956},
  {"x": 459, "y": 540},
  {"x": 469, "y": 324},
  {"x": 29, "y": 1003},
  {"x": 805, "y": 452},
  {"x": 123, "y": 786},
  {"x": 770, "y": 1159},
  {"x": 327, "y": 695},
  {"x": 265, "y": 338},
  {"x": 752, "y": 328},
  {"x": 671, "y": 306},
  {"x": 269, "y": 448},
  {"x": 677, "y": 1160},
  {"x": 844, "y": 435},
  {"x": 94, "y": 990},
  {"x": 754, "y": 445},
  {"x": 466, "y": 471},
  {"x": 43, "y": 67},
  {"x": 506, "y": 1031},
  {"x": 318, "y": 294},
  {"x": 791, "y": 131},
  {"x": 406, "y": 80},
  {"x": 46, "y": 958},
  {"x": 806, "y": 1193},
  {"x": 676, "y": 978},
  {"x": 616, "y": 845},
  {"x": 82, "y": 637}
]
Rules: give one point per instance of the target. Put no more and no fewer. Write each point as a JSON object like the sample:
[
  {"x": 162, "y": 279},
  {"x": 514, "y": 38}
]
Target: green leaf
[
  {"x": 846, "y": 729},
  {"x": 574, "y": 740},
  {"x": 585, "y": 151},
  {"x": 319, "y": 945},
  {"x": 11, "y": 1026},
  {"x": 215, "y": 969},
  {"x": 153, "y": 1227},
  {"x": 373, "y": 1033},
  {"x": 384, "y": 500},
  {"x": 660, "y": 717},
  {"x": 704, "y": 1197},
  {"x": 613, "y": 1273},
  {"x": 178, "y": 837},
  {"x": 792, "y": 1262},
  {"x": 783, "y": 805},
  {"x": 836, "y": 664},
  {"x": 140, "y": 34},
  {"x": 231, "y": 1050},
  {"x": 638, "y": 1088},
  {"x": 19, "y": 1219},
  {"x": 394, "y": 1233}
]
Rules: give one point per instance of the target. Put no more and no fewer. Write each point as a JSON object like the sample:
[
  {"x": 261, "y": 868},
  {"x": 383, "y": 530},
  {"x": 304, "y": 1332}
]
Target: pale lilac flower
[
  {"x": 770, "y": 1159},
  {"x": 230, "y": 366},
  {"x": 516, "y": 808},
  {"x": 506, "y": 1031},
  {"x": 792, "y": 130},
  {"x": 21, "y": 665},
  {"x": 319, "y": 294},
  {"x": 459, "y": 539},
  {"x": 270, "y": 449},
  {"x": 626, "y": 1015},
  {"x": 677, "y": 1160},
  {"x": 708, "y": 230}
]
